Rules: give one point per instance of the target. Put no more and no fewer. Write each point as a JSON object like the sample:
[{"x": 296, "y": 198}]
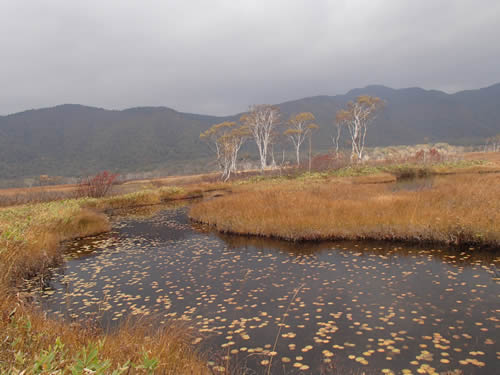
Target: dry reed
[{"x": 461, "y": 209}]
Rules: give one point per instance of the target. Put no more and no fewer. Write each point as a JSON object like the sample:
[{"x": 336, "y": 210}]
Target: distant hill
[{"x": 71, "y": 140}]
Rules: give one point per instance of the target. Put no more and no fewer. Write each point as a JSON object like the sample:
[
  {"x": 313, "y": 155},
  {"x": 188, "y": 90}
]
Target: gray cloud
[{"x": 219, "y": 56}]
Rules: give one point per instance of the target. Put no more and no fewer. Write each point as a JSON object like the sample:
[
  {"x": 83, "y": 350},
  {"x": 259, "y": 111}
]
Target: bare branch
[
  {"x": 299, "y": 128},
  {"x": 260, "y": 122},
  {"x": 357, "y": 117},
  {"x": 226, "y": 140}
]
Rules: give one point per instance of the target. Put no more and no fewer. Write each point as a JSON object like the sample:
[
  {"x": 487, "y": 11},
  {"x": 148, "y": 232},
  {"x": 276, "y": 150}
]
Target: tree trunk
[{"x": 309, "y": 153}]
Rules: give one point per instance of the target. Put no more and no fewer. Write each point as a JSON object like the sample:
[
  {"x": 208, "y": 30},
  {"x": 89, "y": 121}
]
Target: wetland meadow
[
  {"x": 329, "y": 275},
  {"x": 259, "y": 304}
]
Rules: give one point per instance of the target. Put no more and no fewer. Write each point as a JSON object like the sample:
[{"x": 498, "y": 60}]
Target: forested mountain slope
[{"x": 71, "y": 140}]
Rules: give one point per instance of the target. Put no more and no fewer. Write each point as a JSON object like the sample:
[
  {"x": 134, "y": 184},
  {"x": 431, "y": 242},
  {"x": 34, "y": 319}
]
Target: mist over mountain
[{"x": 71, "y": 140}]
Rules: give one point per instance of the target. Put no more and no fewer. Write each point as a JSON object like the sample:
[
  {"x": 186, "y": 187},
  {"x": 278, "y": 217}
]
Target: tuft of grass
[
  {"x": 357, "y": 170},
  {"x": 33, "y": 344},
  {"x": 142, "y": 198},
  {"x": 458, "y": 209},
  {"x": 405, "y": 171},
  {"x": 30, "y": 235}
]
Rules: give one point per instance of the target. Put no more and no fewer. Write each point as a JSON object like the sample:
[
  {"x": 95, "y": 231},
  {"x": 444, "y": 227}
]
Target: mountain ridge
[
  {"x": 75, "y": 139},
  {"x": 494, "y": 86}
]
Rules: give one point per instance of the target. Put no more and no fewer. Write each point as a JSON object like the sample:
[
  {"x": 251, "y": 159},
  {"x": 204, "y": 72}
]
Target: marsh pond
[{"x": 285, "y": 308}]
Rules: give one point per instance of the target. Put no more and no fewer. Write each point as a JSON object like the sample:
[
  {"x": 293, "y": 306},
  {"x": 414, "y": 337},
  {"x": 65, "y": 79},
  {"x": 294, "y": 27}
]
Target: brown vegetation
[
  {"x": 35, "y": 344},
  {"x": 324, "y": 162},
  {"x": 39, "y": 194},
  {"x": 39, "y": 247},
  {"x": 492, "y": 157},
  {"x": 460, "y": 209}
]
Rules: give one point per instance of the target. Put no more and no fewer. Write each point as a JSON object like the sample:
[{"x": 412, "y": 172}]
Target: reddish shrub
[
  {"x": 434, "y": 155},
  {"x": 323, "y": 162},
  {"x": 96, "y": 186},
  {"x": 420, "y": 155}
]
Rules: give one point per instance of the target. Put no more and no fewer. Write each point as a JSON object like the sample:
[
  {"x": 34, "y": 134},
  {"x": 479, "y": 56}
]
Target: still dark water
[{"x": 308, "y": 308}]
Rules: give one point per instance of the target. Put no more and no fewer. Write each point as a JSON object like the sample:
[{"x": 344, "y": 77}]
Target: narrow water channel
[{"x": 340, "y": 308}]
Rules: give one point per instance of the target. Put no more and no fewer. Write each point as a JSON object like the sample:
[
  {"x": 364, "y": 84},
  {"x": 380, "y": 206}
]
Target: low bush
[
  {"x": 405, "y": 171},
  {"x": 96, "y": 186}
]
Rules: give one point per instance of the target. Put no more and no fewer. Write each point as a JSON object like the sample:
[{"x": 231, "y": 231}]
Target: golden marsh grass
[{"x": 459, "y": 209}]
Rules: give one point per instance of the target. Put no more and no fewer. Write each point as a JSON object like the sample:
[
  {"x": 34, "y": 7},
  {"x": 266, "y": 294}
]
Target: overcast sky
[{"x": 218, "y": 57}]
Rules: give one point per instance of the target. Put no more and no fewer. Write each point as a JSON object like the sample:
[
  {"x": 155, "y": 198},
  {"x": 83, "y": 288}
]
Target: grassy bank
[
  {"x": 30, "y": 238},
  {"x": 381, "y": 171},
  {"x": 458, "y": 209}
]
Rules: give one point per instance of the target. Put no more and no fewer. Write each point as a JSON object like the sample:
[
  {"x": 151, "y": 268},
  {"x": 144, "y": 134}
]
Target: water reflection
[
  {"x": 299, "y": 307},
  {"x": 414, "y": 183},
  {"x": 464, "y": 256}
]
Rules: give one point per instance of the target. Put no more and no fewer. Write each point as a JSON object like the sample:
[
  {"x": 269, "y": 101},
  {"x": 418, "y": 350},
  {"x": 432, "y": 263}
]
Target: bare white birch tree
[
  {"x": 235, "y": 139},
  {"x": 260, "y": 121},
  {"x": 357, "y": 117},
  {"x": 336, "y": 138},
  {"x": 493, "y": 142},
  {"x": 496, "y": 143},
  {"x": 226, "y": 140},
  {"x": 299, "y": 128}
]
